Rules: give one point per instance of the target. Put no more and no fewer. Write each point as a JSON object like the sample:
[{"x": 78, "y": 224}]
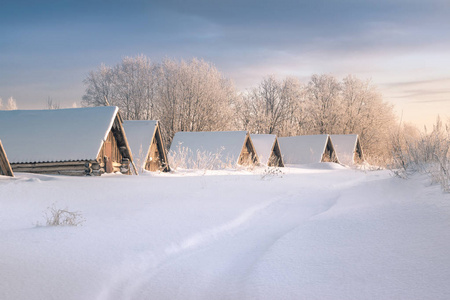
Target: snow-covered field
[{"x": 317, "y": 232}]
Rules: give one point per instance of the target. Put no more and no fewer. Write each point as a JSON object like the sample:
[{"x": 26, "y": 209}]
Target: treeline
[
  {"x": 195, "y": 96},
  {"x": 324, "y": 105}
]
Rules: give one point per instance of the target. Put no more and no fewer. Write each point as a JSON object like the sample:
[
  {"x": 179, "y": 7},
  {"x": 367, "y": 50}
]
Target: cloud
[
  {"x": 48, "y": 46},
  {"x": 403, "y": 84},
  {"x": 432, "y": 101},
  {"x": 425, "y": 90}
]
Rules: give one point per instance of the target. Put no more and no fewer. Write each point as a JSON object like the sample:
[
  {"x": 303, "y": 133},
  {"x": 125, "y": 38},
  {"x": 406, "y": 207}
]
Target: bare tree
[
  {"x": 51, "y": 104},
  {"x": 99, "y": 86}
]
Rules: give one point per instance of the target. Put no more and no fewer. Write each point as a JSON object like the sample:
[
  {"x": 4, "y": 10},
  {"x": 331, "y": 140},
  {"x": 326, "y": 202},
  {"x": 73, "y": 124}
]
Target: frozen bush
[
  {"x": 184, "y": 158},
  {"x": 271, "y": 172},
  {"x": 425, "y": 153},
  {"x": 62, "y": 217}
]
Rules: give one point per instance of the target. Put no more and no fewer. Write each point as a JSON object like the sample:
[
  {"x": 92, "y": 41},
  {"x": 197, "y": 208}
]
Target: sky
[{"x": 48, "y": 47}]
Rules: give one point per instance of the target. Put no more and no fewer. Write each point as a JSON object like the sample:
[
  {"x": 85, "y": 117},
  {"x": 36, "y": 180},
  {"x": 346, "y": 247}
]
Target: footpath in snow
[{"x": 317, "y": 232}]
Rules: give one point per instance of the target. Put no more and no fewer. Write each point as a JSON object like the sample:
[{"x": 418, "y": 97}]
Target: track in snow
[{"x": 191, "y": 268}]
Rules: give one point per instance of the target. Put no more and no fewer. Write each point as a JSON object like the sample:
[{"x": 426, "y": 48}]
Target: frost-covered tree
[
  {"x": 183, "y": 95},
  {"x": 323, "y": 104},
  {"x": 11, "y": 104},
  {"x": 99, "y": 87},
  {"x": 271, "y": 106},
  {"x": 193, "y": 96},
  {"x": 294, "y": 119},
  {"x": 133, "y": 87},
  {"x": 365, "y": 113}
]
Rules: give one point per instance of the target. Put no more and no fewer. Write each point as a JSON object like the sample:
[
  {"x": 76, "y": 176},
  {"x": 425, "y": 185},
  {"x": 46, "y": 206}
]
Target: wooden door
[
  {"x": 154, "y": 163},
  {"x": 108, "y": 157}
]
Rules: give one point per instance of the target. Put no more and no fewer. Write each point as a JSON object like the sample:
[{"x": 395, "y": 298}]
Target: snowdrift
[{"x": 310, "y": 233}]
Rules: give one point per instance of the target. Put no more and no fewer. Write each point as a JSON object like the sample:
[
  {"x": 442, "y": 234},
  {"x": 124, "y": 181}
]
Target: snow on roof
[
  {"x": 263, "y": 144},
  {"x": 345, "y": 146},
  {"x": 55, "y": 135},
  {"x": 140, "y": 135},
  {"x": 226, "y": 145},
  {"x": 303, "y": 149}
]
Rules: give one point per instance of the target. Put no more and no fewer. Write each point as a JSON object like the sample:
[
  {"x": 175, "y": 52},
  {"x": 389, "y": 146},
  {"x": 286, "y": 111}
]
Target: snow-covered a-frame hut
[
  {"x": 307, "y": 149},
  {"x": 74, "y": 141},
  {"x": 212, "y": 149},
  {"x": 5, "y": 167},
  {"x": 144, "y": 138},
  {"x": 348, "y": 148},
  {"x": 267, "y": 149}
]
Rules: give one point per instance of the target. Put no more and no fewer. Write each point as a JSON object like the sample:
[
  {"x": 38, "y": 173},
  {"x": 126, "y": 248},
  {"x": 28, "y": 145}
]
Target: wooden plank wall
[
  {"x": 5, "y": 167},
  {"x": 153, "y": 162},
  {"x": 156, "y": 159},
  {"x": 74, "y": 168},
  {"x": 248, "y": 156},
  {"x": 358, "y": 155},
  {"x": 116, "y": 156},
  {"x": 275, "y": 157},
  {"x": 164, "y": 164},
  {"x": 329, "y": 155}
]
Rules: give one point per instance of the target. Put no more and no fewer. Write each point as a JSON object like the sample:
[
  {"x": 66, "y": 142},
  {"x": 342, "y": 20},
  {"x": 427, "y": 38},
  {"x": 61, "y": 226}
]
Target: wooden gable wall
[
  {"x": 275, "y": 159},
  {"x": 156, "y": 158},
  {"x": 358, "y": 155},
  {"x": 115, "y": 155},
  {"x": 153, "y": 161},
  {"x": 329, "y": 154},
  {"x": 248, "y": 154},
  {"x": 5, "y": 167},
  {"x": 110, "y": 156}
]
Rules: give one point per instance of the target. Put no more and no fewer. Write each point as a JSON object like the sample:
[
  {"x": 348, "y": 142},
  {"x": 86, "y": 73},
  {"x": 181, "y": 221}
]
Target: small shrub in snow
[
  {"x": 271, "y": 172},
  {"x": 62, "y": 217}
]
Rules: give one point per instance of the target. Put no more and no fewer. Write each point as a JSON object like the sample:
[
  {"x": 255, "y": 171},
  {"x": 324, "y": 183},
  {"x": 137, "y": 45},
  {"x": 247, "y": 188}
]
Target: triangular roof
[
  {"x": 304, "y": 149},
  {"x": 140, "y": 135},
  {"x": 5, "y": 167},
  {"x": 265, "y": 145},
  {"x": 225, "y": 146},
  {"x": 347, "y": 147},
  {"x": 56, "y": 135}
]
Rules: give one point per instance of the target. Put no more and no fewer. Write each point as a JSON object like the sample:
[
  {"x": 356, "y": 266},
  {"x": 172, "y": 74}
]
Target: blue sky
[{"x": 48, "y": 47}]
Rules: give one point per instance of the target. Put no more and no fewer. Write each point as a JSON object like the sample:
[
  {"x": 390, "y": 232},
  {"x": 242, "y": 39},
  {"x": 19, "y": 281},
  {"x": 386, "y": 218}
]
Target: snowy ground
[{"x": 318, "y": 232}]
